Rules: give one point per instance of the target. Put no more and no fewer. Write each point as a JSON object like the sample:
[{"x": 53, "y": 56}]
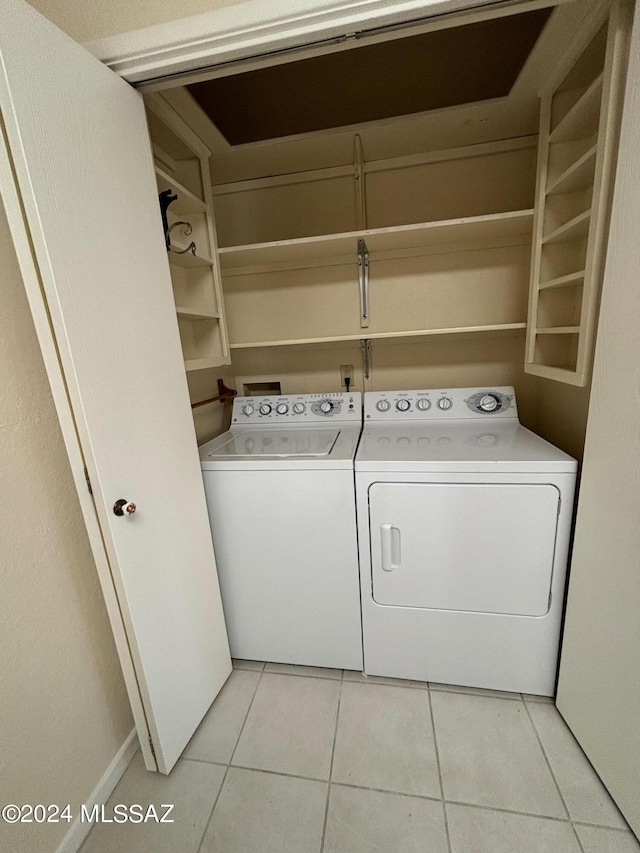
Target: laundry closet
[
  {"x": 453, "y": 240},
  {"x": 456, "y": 245}
]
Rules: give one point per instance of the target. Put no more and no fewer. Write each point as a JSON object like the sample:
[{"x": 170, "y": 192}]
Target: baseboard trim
[{"x": 78, "y": 830}]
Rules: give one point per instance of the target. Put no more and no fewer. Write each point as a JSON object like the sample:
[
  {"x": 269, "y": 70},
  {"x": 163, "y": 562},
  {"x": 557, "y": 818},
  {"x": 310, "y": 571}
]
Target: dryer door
[{"x": 484, "y": 548}]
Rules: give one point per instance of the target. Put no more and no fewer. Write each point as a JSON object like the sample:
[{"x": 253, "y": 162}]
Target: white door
[
  {"x": 599, "y": 686},
  {"x": 81, "y": 160},
  {"x": 478, "y": 547}
]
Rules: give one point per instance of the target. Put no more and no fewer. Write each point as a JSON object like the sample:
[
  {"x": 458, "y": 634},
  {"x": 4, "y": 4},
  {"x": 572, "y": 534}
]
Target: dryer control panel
[
  {"x": 292, "y": 409},
  {"x": 441, "y": 404}
]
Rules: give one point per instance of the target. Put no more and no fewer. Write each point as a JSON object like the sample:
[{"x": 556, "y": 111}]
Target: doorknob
[{"x": 123, "y": 507}]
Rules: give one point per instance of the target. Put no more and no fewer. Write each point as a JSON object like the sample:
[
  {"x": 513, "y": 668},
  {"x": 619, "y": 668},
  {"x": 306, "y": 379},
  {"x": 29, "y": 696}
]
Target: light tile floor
[{"x": 303, "y": 760}]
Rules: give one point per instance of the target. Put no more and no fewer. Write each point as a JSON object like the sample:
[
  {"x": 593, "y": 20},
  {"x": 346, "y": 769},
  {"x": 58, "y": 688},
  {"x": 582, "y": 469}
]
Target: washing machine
[
  {"x": 464, "y": 519},
  {"x": 280, "y": 494}
]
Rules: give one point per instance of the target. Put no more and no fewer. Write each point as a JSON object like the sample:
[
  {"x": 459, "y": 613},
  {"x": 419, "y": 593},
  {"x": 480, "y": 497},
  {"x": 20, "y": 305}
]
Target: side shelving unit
[
  {"x": 182, "y": 167},
  {"x": 405, "y": 277},
  {"x": 578, "y": 131}
]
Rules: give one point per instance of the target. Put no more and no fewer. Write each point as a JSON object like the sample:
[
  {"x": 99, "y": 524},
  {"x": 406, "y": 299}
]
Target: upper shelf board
[
  {"x": 495, "y": 226},
  {"x": 183, "y": 257},
  {"x": 409, "y": 336},
  {"x": 186, "y": 202}
]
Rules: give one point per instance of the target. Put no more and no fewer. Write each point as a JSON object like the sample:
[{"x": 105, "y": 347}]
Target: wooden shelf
[
  {"x": 201, "y": 363},
  {"x": 186, "y": 202},
  {"x": 417, "y": 334},
  {"x": 187, "y": 259},
  {"x": 563, "y": 280},
  {"x": 421, "y": 235},
  {"x": 182, "y": 167},
  {"x": 574, "y": 229},
  {"x": 567, "y": 374},
  {"x": 578, "y": 176},
  {"x": 582, "y": 118},
  {"x": 191, "y": 314},
  {"x": 559, "y": 330}
]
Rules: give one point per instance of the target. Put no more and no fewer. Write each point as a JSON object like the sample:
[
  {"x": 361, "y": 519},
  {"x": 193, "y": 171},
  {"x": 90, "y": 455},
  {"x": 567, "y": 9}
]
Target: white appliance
[
  {"x": 280, "y": 494},
  {"x": 464, "y": 519}
]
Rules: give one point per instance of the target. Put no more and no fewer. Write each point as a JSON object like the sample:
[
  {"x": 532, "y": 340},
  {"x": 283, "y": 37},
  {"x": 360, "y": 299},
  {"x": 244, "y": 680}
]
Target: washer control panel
[
  {"x": 298, "y": 408},
  {"x": 440, "y": 404}
]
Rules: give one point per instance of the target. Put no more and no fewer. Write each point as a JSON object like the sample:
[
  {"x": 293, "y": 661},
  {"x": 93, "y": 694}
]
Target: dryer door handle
[{"x": 390, "y": 546}]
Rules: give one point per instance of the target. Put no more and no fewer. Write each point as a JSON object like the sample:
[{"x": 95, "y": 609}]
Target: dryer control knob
[
  {"x": 488, "y": 403},
  {"x": 265, "y": 409},
  {"x": 403, "y": 405},
  {"x": 247, "y": 410},
  {"x": 424, "y": 404},
  {"x": 445, "y": 403},
  {"x": 282, "y": 408},
  {"x": 326, "y": 406},
  {"x": 383, "y": 405},
  {"x": 299, "y": 408}
]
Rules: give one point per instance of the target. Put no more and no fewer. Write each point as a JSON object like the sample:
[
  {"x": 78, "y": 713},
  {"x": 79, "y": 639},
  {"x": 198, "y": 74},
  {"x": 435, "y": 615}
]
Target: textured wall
[
  {"x": 86, "y": 21},
  {"x": 63, "y": 709},
  {"x": 562, "y": 415}
]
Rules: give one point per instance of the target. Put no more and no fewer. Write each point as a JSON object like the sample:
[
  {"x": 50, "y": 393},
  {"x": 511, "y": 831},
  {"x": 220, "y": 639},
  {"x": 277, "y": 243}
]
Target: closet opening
[{"x": 426, "y": 142}]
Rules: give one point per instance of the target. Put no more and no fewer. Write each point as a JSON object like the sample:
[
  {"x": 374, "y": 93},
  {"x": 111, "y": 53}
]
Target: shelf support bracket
[
  {"x": 365, "y": 346},
  {"x": 363, "y": 281}
]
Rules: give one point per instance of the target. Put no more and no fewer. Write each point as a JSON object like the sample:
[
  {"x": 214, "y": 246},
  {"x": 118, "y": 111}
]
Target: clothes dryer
[{"x": 464, "y": 519}]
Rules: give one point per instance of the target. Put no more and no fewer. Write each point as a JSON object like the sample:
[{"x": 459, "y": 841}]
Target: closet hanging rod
[{"x": 363, "y": 282}]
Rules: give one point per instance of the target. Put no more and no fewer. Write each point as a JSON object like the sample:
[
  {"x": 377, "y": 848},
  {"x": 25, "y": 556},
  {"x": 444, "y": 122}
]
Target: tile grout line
[
  {"x": 303, "y": 674},
  {"x": 226, "y": 772},
  {"x": 508, "y": 811},
  {"x": 553, "y": 776},
  {"x": 246, "y": 716},
  {"x": 603, "y": 826},
  {"x": 261, "y": 770},
  {"x": 437, "y": 751},
  {"x": 333, "y": 752},
  {"x": 424, "y": 685}
]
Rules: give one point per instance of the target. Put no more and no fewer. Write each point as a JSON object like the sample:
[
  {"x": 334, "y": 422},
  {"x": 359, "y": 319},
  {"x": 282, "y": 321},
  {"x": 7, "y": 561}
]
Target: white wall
[
  {"x": 64, "y": 713},
  {"x": 561, "y": 415},
  {"x": 86, "y": 21}
]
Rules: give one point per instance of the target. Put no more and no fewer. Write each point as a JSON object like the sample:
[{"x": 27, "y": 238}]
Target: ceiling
[{"x": 404, "y": 76}]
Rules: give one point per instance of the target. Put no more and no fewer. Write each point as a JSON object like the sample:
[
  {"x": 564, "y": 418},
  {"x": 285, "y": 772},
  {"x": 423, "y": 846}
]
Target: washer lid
[{"x": 276, "y": 444}]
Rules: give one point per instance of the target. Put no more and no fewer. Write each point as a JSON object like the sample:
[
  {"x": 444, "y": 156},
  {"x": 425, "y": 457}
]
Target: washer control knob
[
  {"x": 282, "y": 408},
  {"x": 265, "y": 409},
  {"x": 445, "y": 403},
  {"x": 326, "y": 406},
  {"x": 424, "y": 404},
  {"x": 488, "y": 403},
  {"x": 403, "y": 405},
  {"x": 248, "y": 410},
  {"x": 298, "y": 408},
  {"x": 383, "y": 405}
]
